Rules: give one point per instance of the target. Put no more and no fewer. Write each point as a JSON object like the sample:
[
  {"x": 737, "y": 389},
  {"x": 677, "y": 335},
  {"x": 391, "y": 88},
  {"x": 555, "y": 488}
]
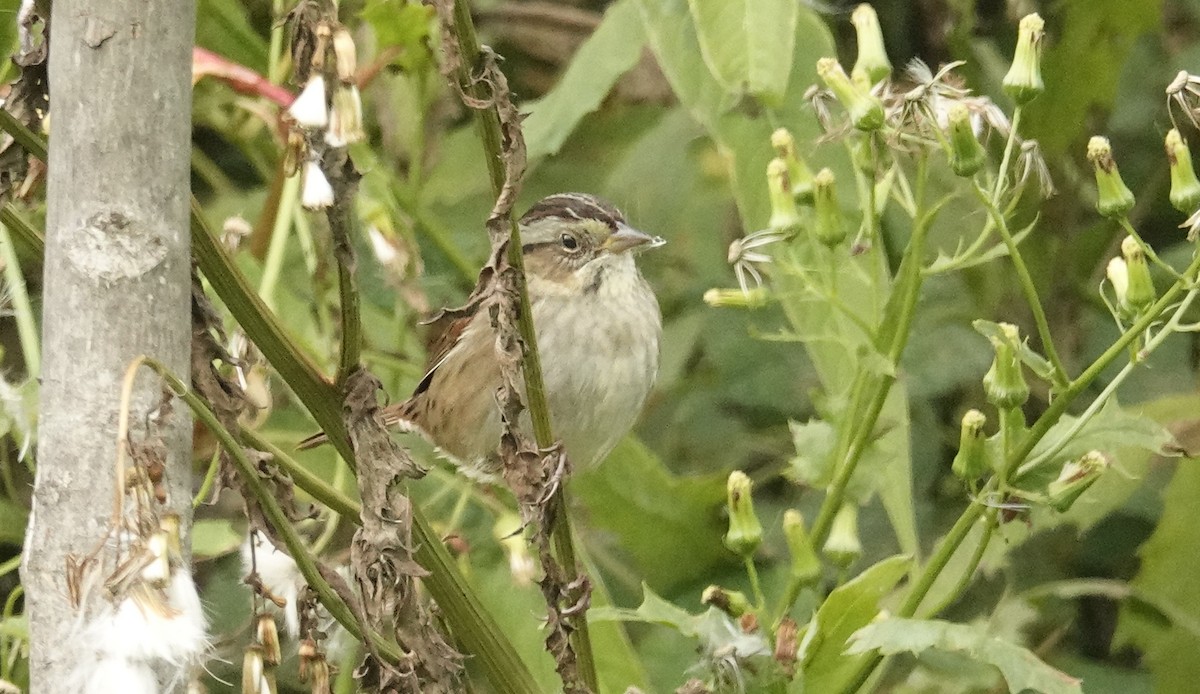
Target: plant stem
[
  {"x": 1027, "y": 285},
  {"x": 210, "y": 476},
  {"x": 273, "y": 264},
  {"x": 1049, "y": 418},
  {"x": 890, "y": 340},
  {"x": 275, "y": 514},
  {"x": 316, "y": 487},
  {"x": 27, "y": 330},
  {"x": 29, "y": 140},
  {"x": 1006, "y": 160},
  {"x": 22, "y": 231},
  {"x": 488, "y": 121},
  {"x": 972, "y": 564}
]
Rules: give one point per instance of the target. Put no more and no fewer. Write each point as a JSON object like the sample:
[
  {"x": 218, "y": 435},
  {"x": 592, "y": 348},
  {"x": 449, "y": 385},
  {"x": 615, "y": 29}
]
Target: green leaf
[
  {"x": 1021, "y": 669},
  {"x": 1113, "y": 428},
  {"x": 401, "y": 25},
  {"x": 747, "y": 44},
  {"x": 1080, "y": 78},
  {"x": 213, "y": 537},
  {"x": 223, "y": 26},
  {"x": 847, "y": 609},
  {"x": 614, "y": 48},
  {"x": 670, "y": 542},
  {"x": 1170, "y": 574},
  {"x": 1036, "y": 362}
]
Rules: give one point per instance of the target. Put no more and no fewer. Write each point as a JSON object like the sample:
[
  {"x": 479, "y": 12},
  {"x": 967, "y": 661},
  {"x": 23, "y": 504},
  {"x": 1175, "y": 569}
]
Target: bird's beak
[{"x": 627, "y": 238}]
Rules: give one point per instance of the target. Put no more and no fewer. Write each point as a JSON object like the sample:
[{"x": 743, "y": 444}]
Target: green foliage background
[{"x": 667, "y": 111}]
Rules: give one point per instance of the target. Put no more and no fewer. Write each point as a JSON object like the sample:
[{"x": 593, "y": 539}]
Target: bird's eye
[{"x": 569, "y": 242}]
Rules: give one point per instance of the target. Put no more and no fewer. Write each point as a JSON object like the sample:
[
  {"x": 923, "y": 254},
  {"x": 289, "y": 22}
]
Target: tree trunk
[{"x": 116, "y": 283}]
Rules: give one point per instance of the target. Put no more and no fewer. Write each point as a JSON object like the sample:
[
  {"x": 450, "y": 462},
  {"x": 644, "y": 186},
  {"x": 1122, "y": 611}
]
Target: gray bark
[{"x": 116, "y": 281}]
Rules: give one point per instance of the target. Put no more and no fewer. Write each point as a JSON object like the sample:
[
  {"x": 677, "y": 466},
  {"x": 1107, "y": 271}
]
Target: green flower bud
[
  {"x": 745, "y": 532},
  {"x": 736, "y": 298},
  {"x": 966, "y": 154},
  {"x": 1004, "y": 383},
  {"x": 830, "y": 229},
  {"x": 785, "y": 217},
  {"x": 731, "y": 602},
  {"x": 1140, "y": 292},
  {"x": 970, "y": 463},
  {"x": 843, "y": 546},
  {"x": 799, "y": 174},
  {"x": 1075, "y": 477},
  {"x": 1114, "y": 199},
  {"x": 806, "y": 568},
  {"x": 865, "y": 109},
  {"x": 1024, "y": 79},
  {"x": 872, "y": 63},
  {"x": 1185, "y": 188}
]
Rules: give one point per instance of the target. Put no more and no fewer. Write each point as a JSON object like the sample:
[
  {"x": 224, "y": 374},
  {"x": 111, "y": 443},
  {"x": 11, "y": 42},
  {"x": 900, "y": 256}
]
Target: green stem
[
  {"x": 10, "y": 566},
  {"x": 22, "y": 231},
  {"x": 210, "y": 476},
  {"x": 1027, "y": 285},
  {"x": 760, "y": 600},
  {"x": 488, "y": 121},
  {"x": 275, "y": 514},
  {"x": 273, "y": 265},
  {"x": 316, "y": 487},
  {"x": 1049, "y": 418},
  {"x": 29, "y": 140},
  {"x": 972, "y": 564},
  {"x": 891, "y": 340},
  {"x": 477, "y": 632},
  {"x": 27, "y": 330},
  {"x": 1006, "y": 160}
]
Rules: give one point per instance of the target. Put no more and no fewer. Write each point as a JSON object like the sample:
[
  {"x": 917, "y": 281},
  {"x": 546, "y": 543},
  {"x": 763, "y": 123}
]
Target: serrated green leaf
[
  {"x": 1113, "y": 428},
  {"x": 847, "y": 609},
  {"x": 1021, "y": 669},
  {"x": 625, "y": 496},
  {"x": 747, "y": 44},
  {"x": 612, "y": 49}
]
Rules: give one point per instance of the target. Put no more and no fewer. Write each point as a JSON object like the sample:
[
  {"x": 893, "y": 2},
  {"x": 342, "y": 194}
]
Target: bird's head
[{"x": 574, "y": 240}]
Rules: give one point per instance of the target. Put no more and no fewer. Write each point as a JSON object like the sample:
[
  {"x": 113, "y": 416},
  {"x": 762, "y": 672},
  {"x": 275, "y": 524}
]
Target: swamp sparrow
[{"x": 598, "y": 327}]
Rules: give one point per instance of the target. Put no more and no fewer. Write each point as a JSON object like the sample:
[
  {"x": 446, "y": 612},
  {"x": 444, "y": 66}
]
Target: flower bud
[
  {"x": 731, "y": 602},
  {"x": 736, "y": 298},
  {"x": 966, "y": 154},
  {"x": 1140, "y": 291},
  {"x": 1004, "y": 383},
  {"x": 1114, "y": 199},
  {"x": 316, "y": 194},
  {"x": 830, "y": 229},
  {"x": 745, "y": 532},
  {"x": 1185, "y": 188},
  {"x": 345, "y": 54},
  {"x": 1076, "y": 476},
  {"x": 843, "y": 546},
  {"x": 785, "y": 217},
  {"x": 255, "y": 676},
  {"x": 799, "y": 175},
  {"x": 806, "y": 568},
  {"x": 865, "y": 109},
  {"x": 345, "y": 118},
  {"x": 872, "y": 63},
  {"x": 318, "y": 674},
  {"x": 309, "y": 109},
  {"x": 1024, "y": 79},
  {"x": 970, "y": 463}
]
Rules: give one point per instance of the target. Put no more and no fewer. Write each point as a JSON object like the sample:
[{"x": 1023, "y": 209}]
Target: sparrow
[{"x": 598, "y": 330}]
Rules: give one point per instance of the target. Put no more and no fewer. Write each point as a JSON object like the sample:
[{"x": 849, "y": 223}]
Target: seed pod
[
  {"x": 1140, "y": 292},
  {"x": 805, "y": 568},
  {"x": 731, "y": 602},
  {"x": 966, "y": 154},
  {"x": 785, "y": 218},
  {"x": 799, "y": 175},
  {"x": 829, "y": 229}
]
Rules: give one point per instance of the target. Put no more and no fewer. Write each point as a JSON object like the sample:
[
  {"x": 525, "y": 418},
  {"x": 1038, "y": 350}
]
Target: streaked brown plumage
[{"x": 598, "y": 328}]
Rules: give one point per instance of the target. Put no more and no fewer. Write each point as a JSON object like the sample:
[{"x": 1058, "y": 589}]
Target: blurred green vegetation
[{"x": 620, "y": 107}]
